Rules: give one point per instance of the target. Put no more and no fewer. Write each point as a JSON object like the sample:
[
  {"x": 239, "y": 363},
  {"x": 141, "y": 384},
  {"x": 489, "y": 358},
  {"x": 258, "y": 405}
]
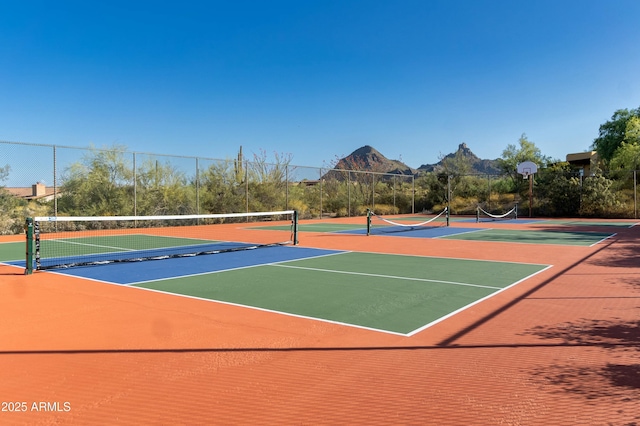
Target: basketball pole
[
  {"x": 528, "y": 169},
  {"x": 530, "y": 193}
]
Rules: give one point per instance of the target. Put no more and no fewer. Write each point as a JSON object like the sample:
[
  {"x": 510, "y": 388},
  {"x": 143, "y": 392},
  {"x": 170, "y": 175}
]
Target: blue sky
[{"x": 317, "y": 79}]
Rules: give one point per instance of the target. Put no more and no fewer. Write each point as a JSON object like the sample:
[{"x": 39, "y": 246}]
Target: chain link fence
[
  {"x": 51, "y": 180},
  {"x": 555, "y": 191}
]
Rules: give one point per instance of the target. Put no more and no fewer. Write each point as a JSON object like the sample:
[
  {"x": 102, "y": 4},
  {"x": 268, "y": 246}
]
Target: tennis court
[
  {"x": 520, "y": 322},
  {"x": 384, "y": 292},
  {"x": 411, "y": 227}
]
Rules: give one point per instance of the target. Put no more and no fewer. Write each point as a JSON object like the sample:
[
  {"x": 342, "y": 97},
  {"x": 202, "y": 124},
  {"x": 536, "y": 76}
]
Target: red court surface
[{"x": 561, "y": 348}]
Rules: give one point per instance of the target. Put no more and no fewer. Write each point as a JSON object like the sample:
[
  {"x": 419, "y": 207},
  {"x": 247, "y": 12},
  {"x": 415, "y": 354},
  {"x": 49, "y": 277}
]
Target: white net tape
[
  {"x": 412, "y": 225},
  {"x": 500, "y": 216}
]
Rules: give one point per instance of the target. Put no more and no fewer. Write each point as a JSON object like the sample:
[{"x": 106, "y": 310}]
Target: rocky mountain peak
[
  {"x": 367, "y": 158},
  {"x": 477, "y": 165}
]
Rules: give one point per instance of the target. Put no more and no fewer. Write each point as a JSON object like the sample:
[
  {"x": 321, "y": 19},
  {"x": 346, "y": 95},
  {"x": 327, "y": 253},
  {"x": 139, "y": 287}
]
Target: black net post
[
  {"x": 28, "y": 227},
  {"x": 295, "y": 227}
]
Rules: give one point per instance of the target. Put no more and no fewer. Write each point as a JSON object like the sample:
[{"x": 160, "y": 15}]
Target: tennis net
[
  {"x": 405, "y": 223},
  {"x": 65, "y": 242},
  {"x": 484, "y": 216}
]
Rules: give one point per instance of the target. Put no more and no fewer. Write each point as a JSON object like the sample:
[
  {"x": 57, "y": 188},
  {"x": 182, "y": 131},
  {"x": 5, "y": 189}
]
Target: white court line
[
  {"x": 440, "y": 257},
  {"x": 527, "y": 242},
  {"x": 604, "y": 239},
  {"x": 228, "y": 270},
  {"x": 462, "y": 233},
  {"x": 257, "y": 308},
  {"x": 464, "y": 308},
  {"x": 386, "y": 276},
  {"x": 409, "y": 334}
]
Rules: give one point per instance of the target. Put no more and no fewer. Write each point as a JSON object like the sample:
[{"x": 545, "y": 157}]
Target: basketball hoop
[{"x": 527, "y": 168}]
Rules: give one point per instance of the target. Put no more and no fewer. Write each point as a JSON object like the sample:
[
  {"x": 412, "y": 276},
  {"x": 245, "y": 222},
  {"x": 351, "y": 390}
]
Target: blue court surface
[
  {"x": 151, "y": 270},
  {"x": 413, "y": 231}
]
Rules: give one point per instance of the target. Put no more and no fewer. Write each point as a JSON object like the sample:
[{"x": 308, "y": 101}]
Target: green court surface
[
  {"x": 81, "y": 246},
  {"x": 97, "y": 244},
  {"x": 570, "y": 222},
  {"x": 572, "y": 238},
  {"x": 391, "y": 293},
  {"x": 12, "y": 251},
  {"x": 112, "y": 243}
]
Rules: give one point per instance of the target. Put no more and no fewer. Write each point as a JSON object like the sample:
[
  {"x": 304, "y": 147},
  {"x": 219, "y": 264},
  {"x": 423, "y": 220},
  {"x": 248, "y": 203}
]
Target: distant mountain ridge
[
  {"x": 368, "y": 158},
  {"x": 477, "y": 165}
]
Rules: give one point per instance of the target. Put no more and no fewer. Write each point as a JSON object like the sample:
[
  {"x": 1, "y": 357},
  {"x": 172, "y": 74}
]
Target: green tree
[
  {"x": 614, "y": 132},
  {"x": 627, "y": 155},
  {"x": 514, "y": 155},
  {"x": 456, "y": 165},
  {"x": 8, "y": 205},
  {"x": 598, "y": 198},
  {"x": 431, "y": 191},
  {"x": 267, "y": 182},
  {"x": 161, "y": 189},
  {"x": 394, "y": 192},
  {"x": 632, "y": 130},
  {"x": 458, "y": 168},
  {"x": 220, "y": 189},
  {"x": 14, "y": 210},
  {"x": 4, "y": 173},
  {"x": 101, "y": 184},
  {"x": 334, "y": 196},
  {"x": 558, "y": 191}
]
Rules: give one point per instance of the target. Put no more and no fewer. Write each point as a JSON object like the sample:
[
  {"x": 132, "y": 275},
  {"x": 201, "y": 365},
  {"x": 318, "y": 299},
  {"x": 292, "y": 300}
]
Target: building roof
[
  {"x": 581, "y": 157},
  {"x": 29, "y": 193}
]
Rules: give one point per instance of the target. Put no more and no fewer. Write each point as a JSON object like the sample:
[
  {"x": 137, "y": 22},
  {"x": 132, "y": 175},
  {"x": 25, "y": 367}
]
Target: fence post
[
  {"x": 135, "y": 186},
  {"x": 394, "y": 193},
  {"x": 373, "y": 191},
  {"x": 246, "y": 186},
  {"x": 320, "y": 177},
  {"x": 197, "y": 186},
  {"x": 55, "y": 184},
  {"x": 449, "y": 192},
  {"x": 413, "y": 194},
  {"x": 489, "y": 192},
  {"x": 349, "y": 193}
]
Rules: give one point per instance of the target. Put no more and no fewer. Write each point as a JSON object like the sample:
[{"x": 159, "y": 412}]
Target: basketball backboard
[{"x": 527, "y": 168}]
